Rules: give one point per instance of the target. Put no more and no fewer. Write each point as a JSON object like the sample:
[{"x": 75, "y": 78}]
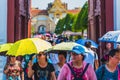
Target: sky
[{"x": 42, "y": 4}]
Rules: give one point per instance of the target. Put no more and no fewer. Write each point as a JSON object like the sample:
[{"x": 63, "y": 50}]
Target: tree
[
  {"x": 32, "y": 30},
  {"x": 81, "y": 21},
  {"x": 59, "y": 27},
  {"x": 64, "y": 24},
  {"x": 68, "y": 22}
]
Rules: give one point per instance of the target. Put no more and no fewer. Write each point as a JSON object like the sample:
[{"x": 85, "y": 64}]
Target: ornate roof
[{"x": 57, "y": 6}]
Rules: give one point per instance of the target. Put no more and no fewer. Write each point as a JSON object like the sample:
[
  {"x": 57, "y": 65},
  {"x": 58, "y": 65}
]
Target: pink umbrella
[{"x": 48, "y": 34}]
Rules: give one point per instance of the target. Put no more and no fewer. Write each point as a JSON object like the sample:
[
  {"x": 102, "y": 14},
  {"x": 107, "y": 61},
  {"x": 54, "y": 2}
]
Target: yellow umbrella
[
  {"x": 5, "y": 47},
  {"x": 66, "y": 46},
  {"x": 28, "y": 46}
]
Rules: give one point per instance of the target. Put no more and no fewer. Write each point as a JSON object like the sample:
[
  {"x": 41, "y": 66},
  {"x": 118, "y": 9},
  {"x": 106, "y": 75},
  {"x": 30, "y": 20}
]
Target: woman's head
[
  {"x": 42, "y": 56},
  {"x": 108, "y": 45},
  {"x": 78, "y": 53},
  {"x": 77, "y": 57},
  {"x": 62, "y": 56},
  {"x": 12, "y": 58},
  {"x": 114, "y": 56}
]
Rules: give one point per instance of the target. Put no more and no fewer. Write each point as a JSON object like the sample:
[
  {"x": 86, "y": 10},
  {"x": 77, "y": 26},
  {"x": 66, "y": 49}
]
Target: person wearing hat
[
  {"x": 42, "y": 70},
  {"x": 77, "y": 69},
  {"x": 110, "y": 70}
]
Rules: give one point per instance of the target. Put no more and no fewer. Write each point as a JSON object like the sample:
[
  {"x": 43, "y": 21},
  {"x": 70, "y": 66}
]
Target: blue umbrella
[
  {"x": 111, "y": 36},
  {"x": 82, "y": 42}
]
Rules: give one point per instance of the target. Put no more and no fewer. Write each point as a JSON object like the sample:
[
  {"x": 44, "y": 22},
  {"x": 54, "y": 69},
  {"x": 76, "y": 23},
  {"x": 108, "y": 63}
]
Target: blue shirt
[{"x": 104, "y": 74}]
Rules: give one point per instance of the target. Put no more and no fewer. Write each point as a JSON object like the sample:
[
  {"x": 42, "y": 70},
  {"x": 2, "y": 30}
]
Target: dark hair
[
  {"x": 83, "y": 57},
  {"x": 88, "y": 44},
  {"x": 105, "y": 58},
  {"x": 113, "y": 52},
  {"x": 64, "y": 53}
]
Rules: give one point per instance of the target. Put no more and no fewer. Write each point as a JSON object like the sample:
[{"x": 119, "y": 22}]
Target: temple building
[{"x": 46, "y": 20}]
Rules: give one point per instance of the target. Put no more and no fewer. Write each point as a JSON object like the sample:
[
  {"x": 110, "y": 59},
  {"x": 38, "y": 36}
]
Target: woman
[
  {"x": 13, "y": 69},
  {"x": 77, "y": 69},
  {"x": 107, "y": 49},
  {"x": 62, "y": 59},
  {"x": 110, "y": 70},
  {"x": 42, "y": 70}
]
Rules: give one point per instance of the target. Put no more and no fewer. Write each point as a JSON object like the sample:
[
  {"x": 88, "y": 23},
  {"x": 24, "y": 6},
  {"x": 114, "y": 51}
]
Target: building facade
[
  {"x": 18, "y": 17},
  {"x": 46, "y": 20},
  {"x": 101, "y": 20}
]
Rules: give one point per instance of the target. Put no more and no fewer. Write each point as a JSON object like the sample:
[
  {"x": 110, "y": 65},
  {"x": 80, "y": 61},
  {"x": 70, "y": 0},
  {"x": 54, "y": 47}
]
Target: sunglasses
[
  {"x": 74, "y": 54},
  {"x": 42, "y": 54}
]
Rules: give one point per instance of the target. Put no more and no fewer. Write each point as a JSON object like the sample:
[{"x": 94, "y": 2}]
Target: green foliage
[
  {"x": 81, "y": 21},
  {"x": 75, "y": 23},
  {"x": 68, "y": 22},
  {"x": 59, "y": 26},
  {"x": 32, "y": 30},
  {"x": 64, "y": 24}
]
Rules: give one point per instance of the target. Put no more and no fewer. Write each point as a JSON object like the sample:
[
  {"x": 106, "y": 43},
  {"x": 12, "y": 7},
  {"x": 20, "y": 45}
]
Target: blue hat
[{"x": 78, "y": 50}]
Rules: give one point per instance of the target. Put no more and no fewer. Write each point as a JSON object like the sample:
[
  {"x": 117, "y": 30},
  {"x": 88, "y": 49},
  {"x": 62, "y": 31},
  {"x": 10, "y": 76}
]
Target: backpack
[{"x": 81, "y": 75}]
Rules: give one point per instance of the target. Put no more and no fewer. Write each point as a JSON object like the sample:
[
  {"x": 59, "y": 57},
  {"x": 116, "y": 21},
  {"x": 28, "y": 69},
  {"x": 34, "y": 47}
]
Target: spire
[
  {"x": 57, "y": 1},
  {"x": 57, "y": 6}
]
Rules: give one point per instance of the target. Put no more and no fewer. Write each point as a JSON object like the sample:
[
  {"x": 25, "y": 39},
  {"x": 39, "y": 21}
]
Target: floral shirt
[{"x": 14, "y": 69}]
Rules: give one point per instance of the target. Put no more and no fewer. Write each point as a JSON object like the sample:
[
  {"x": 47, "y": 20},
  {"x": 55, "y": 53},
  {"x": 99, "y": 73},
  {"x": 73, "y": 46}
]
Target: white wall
[
  {"x": 3, "y": 21},
  {"x": 116, "y": 14}
]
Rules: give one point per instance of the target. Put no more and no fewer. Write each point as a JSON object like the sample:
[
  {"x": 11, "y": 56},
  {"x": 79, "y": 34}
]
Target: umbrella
[
  {"x": 4, "y": 48},
  {"x": 48, "y": 34},
  {"x": 82, "y": 42},
  {"x": 111, "y": 36},
  {"x": 66, "y": 46},
  {"x": 28, "y": 46},
  {"x": 37, "y": 36}
]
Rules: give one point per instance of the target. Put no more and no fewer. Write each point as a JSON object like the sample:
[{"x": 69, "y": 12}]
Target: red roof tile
[
  {"x": 74, "y": 11},
  {"x": 35, "y": 12}
]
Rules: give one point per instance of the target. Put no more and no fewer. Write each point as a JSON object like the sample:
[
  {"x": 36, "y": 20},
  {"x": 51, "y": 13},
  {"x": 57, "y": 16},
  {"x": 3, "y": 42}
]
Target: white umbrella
[{"x": 111, "y": 36}]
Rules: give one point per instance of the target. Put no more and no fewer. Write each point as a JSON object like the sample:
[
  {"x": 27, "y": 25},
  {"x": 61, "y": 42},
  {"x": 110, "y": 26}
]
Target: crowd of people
[{"x": 80, "y": 65}]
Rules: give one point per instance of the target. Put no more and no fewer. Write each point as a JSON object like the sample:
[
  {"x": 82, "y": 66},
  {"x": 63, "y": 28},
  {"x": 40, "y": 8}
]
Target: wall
[
  {"x": 116, "y": 15},
  {"x": 3, "y": 21}
]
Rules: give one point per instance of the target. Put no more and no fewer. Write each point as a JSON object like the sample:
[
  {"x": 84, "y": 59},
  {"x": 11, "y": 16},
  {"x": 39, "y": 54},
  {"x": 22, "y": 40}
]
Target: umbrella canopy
[
  {"x": 4, "y": 48},
  {"x": 66, "y": 46},
  {"x": 111, "y": 36},
  {"x": 82, "y": 42},
  {"x": 29, "y": 46}
]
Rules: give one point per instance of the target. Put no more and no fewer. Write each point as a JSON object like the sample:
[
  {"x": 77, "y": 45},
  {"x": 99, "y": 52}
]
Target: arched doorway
[{"x": 41, "y": 29}]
